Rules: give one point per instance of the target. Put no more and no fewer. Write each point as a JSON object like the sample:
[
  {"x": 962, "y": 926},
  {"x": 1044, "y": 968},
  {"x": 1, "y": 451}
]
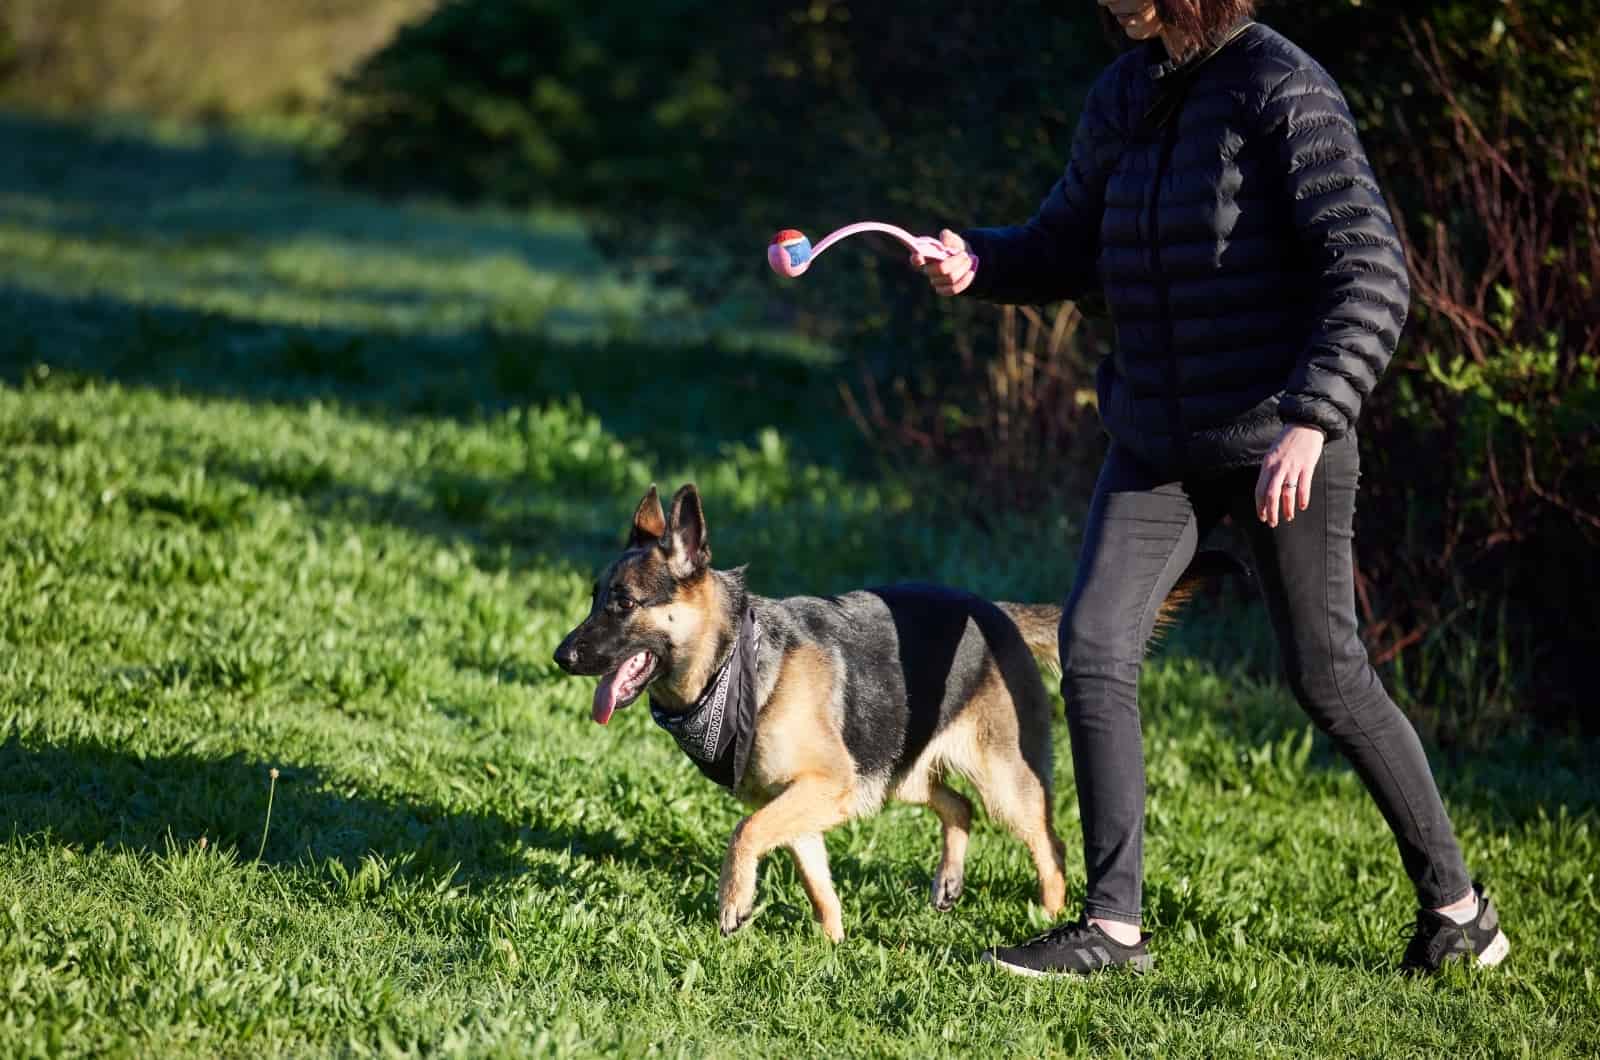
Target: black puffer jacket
[{"x": 1251, "y": 267}]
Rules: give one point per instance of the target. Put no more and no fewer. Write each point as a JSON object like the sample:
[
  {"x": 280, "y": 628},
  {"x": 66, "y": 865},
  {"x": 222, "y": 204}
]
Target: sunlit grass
[{"x": 316, "y": 283}]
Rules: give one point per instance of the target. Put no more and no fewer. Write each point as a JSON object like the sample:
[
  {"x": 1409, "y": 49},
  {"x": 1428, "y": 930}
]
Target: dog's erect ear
[
  {"x": 687, "y": 549},
  {"x": 649, "y": 522}
]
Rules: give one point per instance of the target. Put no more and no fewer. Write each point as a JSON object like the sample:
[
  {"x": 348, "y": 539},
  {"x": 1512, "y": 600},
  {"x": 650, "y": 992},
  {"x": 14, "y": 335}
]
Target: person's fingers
[
  {"x": 1304, "y": 492},
  {"x": 1263, "y": 483},
  {"x": 1272, "y": 502},
  {"x": 948, "y": 286},
  {"x": 934, "y": 274},
  {"x": 949, "y": 271},
  {"x": 1291, "y": 489},
  {"x": 949, "y": 275}
]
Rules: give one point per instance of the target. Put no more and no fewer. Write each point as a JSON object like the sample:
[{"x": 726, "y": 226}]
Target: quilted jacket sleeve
[
  {"x": 1052, "y": 256},
  {"x": 1349, "y": 244}
]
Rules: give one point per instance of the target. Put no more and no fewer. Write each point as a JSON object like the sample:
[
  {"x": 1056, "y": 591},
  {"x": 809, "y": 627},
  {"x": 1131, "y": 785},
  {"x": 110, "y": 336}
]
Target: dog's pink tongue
[
  {"x": 616, "y": 686},
  {"x": 605, "y": 697}
]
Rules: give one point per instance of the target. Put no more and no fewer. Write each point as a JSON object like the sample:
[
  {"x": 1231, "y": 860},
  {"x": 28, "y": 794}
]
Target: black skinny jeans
[{"x": 1143, "y": 529}]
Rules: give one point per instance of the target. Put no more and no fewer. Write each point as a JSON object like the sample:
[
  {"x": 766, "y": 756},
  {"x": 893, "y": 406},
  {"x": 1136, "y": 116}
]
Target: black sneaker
[
  {"x": 1080, "y": 948},
  {"x": 1436, "y": 939}
]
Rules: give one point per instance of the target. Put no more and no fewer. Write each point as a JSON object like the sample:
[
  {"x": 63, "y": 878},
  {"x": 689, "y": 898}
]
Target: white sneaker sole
[
  {"x": 1032, "y": 973},
  {"x": 1141, "y": 965},
  {"x": 1495, "y": 952}
]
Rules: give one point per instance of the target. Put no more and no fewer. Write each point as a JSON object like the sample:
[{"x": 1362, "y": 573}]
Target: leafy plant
[{"x": 1486, "y": 466}]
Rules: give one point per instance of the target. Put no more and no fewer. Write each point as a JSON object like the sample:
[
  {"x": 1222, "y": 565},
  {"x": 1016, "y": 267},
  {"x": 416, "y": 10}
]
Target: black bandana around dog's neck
[{"x": 716, "y": 732}]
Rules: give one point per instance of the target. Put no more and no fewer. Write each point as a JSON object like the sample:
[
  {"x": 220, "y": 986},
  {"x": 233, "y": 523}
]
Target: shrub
[
  {"x": 529, "y": 100},
  {"x": 1486, "y": 449}
]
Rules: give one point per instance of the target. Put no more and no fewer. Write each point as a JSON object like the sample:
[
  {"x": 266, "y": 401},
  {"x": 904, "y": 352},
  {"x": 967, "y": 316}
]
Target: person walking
[{"x": 1218, "y": 194}]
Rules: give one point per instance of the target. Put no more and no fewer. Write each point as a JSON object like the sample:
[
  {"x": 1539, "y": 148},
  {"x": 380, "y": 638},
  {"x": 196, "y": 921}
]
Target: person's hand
[
  {"x": 1284, "y": 484},
  {"x": 952, "y": 275}
]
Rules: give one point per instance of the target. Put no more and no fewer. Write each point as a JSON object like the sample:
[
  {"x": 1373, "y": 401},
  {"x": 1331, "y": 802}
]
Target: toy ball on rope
[{"x": 790, "y": 253}]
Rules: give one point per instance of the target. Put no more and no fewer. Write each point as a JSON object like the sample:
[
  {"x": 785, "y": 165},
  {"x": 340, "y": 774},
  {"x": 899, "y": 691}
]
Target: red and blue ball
[{"x": 789, "y": 252}]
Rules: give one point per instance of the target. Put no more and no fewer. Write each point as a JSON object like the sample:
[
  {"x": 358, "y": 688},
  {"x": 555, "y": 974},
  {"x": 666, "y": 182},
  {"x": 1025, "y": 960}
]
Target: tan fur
[
  {"x": 649, "y": 521},
  {"x": 1040, "y": 625},
  {"x": 811, "y": 858},
  {"x": 955, "y": 822},
  {"x": 802, "y": 773},
  {"x": 685, "y": 621},
  {"x": 797, "y": 732}
]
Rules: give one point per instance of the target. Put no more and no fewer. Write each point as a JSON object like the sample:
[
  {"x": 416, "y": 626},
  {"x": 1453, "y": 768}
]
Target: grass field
[{"x": 303, "y": 482}]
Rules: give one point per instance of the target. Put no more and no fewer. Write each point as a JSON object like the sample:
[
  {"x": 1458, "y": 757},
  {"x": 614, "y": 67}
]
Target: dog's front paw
[
  {"x": 735, "y": 916},
  {"x": 736, "y": 890},
  {"x": 946, "y": 889}
]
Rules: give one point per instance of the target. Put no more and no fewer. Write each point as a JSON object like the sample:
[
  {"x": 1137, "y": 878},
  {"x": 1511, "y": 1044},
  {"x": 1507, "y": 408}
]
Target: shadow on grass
[
  {"x": 88, "y": 795},
  {"x": 91, "y": 179}
]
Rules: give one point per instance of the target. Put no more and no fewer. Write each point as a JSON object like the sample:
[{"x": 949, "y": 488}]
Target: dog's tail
[{"x": 1040, "y": 623}]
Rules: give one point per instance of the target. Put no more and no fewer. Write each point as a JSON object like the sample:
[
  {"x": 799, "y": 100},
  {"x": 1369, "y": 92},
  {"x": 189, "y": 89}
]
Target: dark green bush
[
  {"x": 538, "y": 100},
  {"x": 1484, "y": 455}
]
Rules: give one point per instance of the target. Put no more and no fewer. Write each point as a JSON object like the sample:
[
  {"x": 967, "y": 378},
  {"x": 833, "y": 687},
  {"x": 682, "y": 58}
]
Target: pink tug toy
[{"x": 790, "y": 253}]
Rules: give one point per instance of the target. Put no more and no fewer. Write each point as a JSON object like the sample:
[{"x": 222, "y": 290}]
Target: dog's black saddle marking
[{"x": 716, "y": 733}]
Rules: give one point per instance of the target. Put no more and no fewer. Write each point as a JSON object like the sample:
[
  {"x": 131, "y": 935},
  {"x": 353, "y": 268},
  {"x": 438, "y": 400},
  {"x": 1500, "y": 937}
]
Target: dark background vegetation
[{"x": 688, "y": 131}]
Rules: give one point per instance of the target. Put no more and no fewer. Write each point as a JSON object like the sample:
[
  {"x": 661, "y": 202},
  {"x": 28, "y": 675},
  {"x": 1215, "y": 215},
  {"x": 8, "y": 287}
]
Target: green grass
[
  {"x": 299, "y": 481},
  {"x": 268, "y": 62}
]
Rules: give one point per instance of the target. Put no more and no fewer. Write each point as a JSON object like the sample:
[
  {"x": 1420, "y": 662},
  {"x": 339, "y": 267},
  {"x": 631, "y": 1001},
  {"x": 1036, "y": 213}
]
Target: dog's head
[{"x": 652, "y": 606}]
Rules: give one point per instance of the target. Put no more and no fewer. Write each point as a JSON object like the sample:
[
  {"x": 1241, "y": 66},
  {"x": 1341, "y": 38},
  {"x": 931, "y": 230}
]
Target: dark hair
[{"x": 1203, "y": 21}]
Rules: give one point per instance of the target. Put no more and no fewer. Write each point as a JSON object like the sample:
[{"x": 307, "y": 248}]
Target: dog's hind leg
[
  {"x": 923, "y": 785},
  {"x": 955, "y": 817},
  {"x": 1003, "y": 747},
  {"x": 811, "y": 858},
  {"x": 1008, "y": 761},
  {"x": 1013, "y": 796}
]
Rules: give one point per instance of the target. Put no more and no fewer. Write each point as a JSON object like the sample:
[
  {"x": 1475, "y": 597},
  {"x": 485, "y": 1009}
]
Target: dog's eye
[{"x": 625, "y": 603}]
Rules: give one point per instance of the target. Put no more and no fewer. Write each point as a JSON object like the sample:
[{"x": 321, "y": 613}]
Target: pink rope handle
[
  {"x": 927, "y": 246},
  {"x": 791, "y": 254}
]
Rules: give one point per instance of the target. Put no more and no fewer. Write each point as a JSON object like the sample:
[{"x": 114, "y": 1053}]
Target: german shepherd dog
[{"x": 875, "y": 694}]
